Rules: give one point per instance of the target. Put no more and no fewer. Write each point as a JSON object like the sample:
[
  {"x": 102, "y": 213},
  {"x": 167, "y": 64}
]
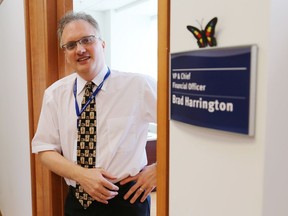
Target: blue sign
[{"x": 215, "y": 88}]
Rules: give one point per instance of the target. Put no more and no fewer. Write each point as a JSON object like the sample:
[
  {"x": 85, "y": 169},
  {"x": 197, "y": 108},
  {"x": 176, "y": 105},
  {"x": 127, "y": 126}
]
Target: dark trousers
[{"x": 116, "y": 206}]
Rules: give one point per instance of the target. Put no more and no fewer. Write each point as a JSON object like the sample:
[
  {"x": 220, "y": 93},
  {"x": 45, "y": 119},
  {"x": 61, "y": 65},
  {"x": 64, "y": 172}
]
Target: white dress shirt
[{"x": 125, "y": 105}]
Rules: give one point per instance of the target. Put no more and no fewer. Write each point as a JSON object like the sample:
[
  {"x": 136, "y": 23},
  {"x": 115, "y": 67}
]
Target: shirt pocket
[{"x": 121, "y": 134}]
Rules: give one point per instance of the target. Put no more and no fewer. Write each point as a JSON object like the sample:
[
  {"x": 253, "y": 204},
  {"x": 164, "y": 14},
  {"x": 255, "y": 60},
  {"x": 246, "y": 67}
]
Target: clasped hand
[{"x": 97, "y": 183}]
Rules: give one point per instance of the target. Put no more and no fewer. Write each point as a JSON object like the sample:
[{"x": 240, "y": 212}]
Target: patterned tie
[{"x": 86, "y": 142}]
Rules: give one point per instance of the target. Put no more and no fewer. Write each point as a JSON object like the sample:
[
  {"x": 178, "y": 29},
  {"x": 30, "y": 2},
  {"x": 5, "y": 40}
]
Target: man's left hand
[{"x": 146, "y": 181}]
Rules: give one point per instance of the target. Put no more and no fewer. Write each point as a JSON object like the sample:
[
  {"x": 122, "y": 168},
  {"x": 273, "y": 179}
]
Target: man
[{"x": 98, "y": 143}]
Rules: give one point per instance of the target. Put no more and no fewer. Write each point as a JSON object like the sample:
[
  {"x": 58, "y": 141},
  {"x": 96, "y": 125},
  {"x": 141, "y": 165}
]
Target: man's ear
[{"x": 103, "y": 44}]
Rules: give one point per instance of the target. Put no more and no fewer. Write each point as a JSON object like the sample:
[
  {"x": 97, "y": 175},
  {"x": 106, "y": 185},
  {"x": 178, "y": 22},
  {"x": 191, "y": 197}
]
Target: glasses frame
[{"x": 80, "y": 41}]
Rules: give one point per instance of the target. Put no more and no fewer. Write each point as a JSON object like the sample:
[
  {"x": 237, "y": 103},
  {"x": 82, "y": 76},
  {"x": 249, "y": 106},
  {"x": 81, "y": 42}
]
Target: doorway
[
  {"x": 46, "y": 64},
  {"x": 130, "y": 30}
]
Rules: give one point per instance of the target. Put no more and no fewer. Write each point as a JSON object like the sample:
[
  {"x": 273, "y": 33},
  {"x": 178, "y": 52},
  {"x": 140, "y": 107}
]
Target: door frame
[
  {"x": 45, "y": 64},
  {"x": 162, "y": 153}
]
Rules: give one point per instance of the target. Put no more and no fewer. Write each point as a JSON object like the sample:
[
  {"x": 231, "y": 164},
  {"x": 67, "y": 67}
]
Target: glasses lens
[
  {"x": 70, "y": 45},
  {"x": 87, "y": 40}
]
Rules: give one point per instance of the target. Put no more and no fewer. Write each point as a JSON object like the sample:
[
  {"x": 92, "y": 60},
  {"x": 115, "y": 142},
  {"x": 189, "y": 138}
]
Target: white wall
[
  {"x": 15, "y": 182},
  {"x": 223, "y": 174},
  {"x": 276, "y": 160}
]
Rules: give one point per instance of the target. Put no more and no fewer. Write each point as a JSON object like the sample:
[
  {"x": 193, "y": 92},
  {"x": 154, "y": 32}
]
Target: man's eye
[{"x": 86, "y": 40}]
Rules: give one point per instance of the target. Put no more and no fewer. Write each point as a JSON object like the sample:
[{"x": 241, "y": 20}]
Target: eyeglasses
[{"x": 83, "y": 41}]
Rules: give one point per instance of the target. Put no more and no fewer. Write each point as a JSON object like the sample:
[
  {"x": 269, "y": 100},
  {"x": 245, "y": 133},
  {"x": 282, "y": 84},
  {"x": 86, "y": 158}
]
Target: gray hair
[{"x": 73, "y": 16}]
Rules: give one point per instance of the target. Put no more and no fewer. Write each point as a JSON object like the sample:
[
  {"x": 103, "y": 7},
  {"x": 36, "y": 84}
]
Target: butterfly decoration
[{"x": 205, "y": 37}]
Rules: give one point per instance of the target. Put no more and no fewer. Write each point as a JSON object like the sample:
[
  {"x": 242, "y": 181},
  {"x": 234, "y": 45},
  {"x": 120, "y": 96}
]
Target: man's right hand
[{"x": 96, "y": 182}]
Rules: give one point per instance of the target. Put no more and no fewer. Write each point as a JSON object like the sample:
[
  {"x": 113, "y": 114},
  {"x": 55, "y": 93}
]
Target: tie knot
[{"x": 89, "y": 86}]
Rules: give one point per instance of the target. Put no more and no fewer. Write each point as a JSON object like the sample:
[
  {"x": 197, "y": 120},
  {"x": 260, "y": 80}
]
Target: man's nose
[{"x": 80, "y": 47}]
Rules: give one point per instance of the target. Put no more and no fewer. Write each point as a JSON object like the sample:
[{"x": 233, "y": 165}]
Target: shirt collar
[{"x": 97, "y": 80}]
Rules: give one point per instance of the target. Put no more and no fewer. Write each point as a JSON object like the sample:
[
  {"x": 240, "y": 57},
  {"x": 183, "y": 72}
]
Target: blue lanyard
[{"x": 78, "y": 111}]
